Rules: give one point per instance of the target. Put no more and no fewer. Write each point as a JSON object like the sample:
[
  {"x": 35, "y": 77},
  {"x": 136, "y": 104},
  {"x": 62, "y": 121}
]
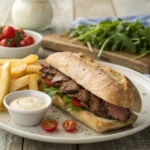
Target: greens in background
[{"x": 132, "y": 37}]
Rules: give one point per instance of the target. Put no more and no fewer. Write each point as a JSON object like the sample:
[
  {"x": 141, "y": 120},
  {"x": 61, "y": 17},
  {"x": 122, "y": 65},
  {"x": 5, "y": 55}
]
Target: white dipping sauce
[{"x": 28, "y": 103}]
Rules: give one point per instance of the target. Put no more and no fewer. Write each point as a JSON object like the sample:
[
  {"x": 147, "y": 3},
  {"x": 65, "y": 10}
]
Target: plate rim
[{"x": 82, "y": 140}]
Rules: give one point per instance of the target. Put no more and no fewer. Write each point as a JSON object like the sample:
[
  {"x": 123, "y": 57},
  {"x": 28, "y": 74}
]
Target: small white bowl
[
  {"x": 27, "y": 117},
  {"x": 20, "y": 52}
]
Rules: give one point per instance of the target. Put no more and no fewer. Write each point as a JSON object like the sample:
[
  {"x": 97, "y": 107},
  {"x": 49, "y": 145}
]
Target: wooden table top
[{"x": 65, "y": 11}]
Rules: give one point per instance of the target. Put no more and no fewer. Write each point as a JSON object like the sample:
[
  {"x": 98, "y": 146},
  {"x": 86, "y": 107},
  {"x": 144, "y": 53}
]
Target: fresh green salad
[{"x": 132, "y": 37}]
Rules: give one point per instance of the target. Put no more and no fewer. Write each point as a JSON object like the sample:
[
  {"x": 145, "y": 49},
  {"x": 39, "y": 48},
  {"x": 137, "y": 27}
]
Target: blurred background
[{"x": 65, "y": 11}]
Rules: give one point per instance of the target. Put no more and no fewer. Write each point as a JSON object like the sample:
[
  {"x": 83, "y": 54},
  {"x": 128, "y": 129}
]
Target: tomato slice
[
  {"x": 49, "y": 125},
  {"x": 69, "y": 125},
  {"x": 76, "y": 102},
  {"x": 48, "y": 82},
  {"x": 8, "y": 32}
]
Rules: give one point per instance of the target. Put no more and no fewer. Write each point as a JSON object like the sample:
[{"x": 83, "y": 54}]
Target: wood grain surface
[
  {"x": 64, "y": 13},
  {"x": 61, "y": 42}
]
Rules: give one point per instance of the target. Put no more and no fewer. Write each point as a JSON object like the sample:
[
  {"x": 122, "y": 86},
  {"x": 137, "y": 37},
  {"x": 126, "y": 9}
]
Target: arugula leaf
[
  {"x": 147, "y": 34},
  {"x": 71, "y": 107},
  {"x": 52, "y": 91},
  {"x": 132, "y": 37},
  {"x": 66, "y": 99},
  {"x": 127, "y": 42}
]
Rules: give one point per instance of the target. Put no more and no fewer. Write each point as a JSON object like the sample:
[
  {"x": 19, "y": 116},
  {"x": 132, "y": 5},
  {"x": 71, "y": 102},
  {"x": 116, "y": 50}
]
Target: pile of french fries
[{"x": 18, "y": 74}]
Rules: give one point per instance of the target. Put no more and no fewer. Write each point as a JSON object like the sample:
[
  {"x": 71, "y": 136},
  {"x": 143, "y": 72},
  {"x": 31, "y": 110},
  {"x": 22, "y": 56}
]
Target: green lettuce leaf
[
  {"x": 66, "y": 99},
  {"x": 71, "y": 107},
  {"x": 52, "y": 91}
]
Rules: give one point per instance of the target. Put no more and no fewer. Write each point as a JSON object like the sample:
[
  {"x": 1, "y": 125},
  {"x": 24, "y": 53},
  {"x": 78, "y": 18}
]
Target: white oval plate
[{"x": 85, "y": 134}]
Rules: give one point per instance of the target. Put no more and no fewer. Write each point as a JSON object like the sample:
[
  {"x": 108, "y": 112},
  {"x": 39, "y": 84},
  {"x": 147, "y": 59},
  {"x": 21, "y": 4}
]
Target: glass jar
[{"x": 32, "y": 14}]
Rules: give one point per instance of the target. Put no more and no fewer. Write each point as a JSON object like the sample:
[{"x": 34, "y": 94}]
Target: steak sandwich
[{"x": 96, "y": 95}]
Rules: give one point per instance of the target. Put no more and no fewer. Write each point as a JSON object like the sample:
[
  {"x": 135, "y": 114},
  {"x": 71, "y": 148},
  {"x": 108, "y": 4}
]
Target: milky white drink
[{"x": 32, "y": 14}]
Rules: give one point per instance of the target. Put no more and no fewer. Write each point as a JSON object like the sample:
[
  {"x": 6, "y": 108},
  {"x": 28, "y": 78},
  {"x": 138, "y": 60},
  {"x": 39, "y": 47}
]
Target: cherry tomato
[
  {"x": 8, "y": 32},
  {"x": 76, "y": 102},
  {"x": 21, "y": 31},
  {"x": 3, "y": 42},
  {"x": 11, "y": 43},
  {"x": 69, "y": 125},
  {"x": 49, "y": 125},
  {"x": 23, "y": 43},
  {"x": 1, "y": 37},
  {"x": 29, "y": 40},
  {"x": 48, "y": 82}
]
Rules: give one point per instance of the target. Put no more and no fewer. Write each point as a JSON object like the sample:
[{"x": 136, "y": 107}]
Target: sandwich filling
[{"x": 68, "y": 87}]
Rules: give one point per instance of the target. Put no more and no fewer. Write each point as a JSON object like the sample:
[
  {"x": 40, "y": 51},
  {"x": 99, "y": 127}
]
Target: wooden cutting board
[{"x": 60, "y": 42}]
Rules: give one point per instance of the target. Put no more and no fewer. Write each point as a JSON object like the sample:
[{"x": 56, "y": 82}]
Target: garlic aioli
[{"x": 28, "y": 103}]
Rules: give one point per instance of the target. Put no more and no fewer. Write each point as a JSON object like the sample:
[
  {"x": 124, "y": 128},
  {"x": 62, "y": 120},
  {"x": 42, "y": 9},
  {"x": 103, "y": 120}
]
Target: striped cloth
[{"x": 145, "y": 19}]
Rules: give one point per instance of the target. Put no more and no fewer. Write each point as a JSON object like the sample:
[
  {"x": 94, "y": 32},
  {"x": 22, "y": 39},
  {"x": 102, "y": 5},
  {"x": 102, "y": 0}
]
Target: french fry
[
  {"x": 21, "y": 82},
  {"x": 31, "y": 59},
  {"x": 38, "y": 77},
  {"x": 33, "y": 69},
  {"x": 18, "y": 71},
  {"x": 4, "y": 83},
  {"x": 25, "y": 88},
  {"x": 33, "y": 83}
]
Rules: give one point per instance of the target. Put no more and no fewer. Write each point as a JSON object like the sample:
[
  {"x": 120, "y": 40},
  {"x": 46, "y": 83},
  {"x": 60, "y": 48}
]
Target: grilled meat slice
[
  {"x": 85, "y": 105},
  {"x": 52, "y": 70},
  {"x": 95, "y": 103},
  {"x": 60, "y": 77},
  {"x": 57, "y": 84},
  {"x": 102, "y": 114},
  {"x": 117, "y": 112},
  {"x": 70, "y": 87},
  {"x": 83, "y": 95},
  {"x": 73, "y": 95}
]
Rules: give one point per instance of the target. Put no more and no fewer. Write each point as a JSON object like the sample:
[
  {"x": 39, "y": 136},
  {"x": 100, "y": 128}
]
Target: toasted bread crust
[
  {"x": 96, "y": 123},
  {"x": 100, "y": 80}
]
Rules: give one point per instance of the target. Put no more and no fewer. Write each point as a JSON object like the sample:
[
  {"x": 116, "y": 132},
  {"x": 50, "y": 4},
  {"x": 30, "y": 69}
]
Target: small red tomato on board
[
  {"x": 48, "y": 82},
  {"x": 8, "y": 32},
  {"x": 23, "y": 43},
  {"x": 29, "y": 40},
  {"x": 76, "y": 102},
  {"x": 3, "y": 42},
  {"x": 49, "y": 125},
  {"x": 69, "y": 125}
]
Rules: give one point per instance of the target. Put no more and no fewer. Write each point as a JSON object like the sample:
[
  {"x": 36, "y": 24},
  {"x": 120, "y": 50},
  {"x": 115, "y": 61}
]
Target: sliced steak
[
  {"x": 102, "y": 114},
  {"x": 95, "y": 103},
  {"x": 57, "y": 84},
  {"x": 70, "y": 87},
  {"x": 49, "y": 77},
  {"x": 60, "y": 77},
  {"x": 73, "y": 95},
  {"x": 117, "y": 112},
  {"x": 85, "y": 105},
  {"x": 52, "y": 70},
  {"x": 84, "y": 95}
]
